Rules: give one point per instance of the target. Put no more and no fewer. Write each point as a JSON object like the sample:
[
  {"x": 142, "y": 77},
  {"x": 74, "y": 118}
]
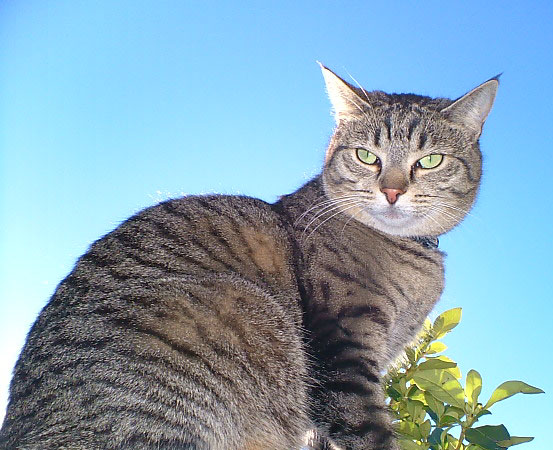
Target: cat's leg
[
  {"x": 354, "y": 422},
  {"x": 348, "y": 399}
]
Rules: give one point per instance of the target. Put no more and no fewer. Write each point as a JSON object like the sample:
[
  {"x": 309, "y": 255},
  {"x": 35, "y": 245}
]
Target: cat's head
[{"x": 405, "y": 164}]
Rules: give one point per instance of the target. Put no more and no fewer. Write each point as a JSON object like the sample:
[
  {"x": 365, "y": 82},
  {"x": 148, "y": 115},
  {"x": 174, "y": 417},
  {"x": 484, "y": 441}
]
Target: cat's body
[{"x": 223, "y": 322}]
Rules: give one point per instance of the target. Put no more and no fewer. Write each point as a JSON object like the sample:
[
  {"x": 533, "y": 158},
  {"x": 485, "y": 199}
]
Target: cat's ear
[
  {"x": 472, "y": 109},
  {"x": 345, "y": 101}
]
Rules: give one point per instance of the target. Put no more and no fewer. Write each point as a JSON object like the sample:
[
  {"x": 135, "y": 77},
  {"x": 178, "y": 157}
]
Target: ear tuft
[
  {"x": 472, "y": 109},
  {"x": 345, "y": 101}
]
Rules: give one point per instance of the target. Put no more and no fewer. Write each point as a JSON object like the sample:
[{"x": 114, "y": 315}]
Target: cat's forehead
[
  {"x": 393, "y": 119},
  {"x": 398, "y": 127},
  {"x": 403, "y": 103},
  {"x": 397, "y": 116}
]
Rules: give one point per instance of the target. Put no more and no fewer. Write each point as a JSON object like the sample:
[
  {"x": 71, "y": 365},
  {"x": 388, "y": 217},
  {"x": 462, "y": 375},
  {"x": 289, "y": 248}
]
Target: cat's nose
[{"x": 392, "y": 194}]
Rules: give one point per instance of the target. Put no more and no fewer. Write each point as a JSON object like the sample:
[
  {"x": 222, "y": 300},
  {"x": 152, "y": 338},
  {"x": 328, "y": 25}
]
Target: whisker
[
  {"x": 357, "y": 83},
  {"x": 443, "y": 204},
  {"x": 360, "y": 109},
  {"x": 327, "y": 206},
  {"x": 440, "y": 209},
  {"x": 353, "y": 217},
  {"x": 329, "y": 209},
  {"x": 323, "y": 203},
  {"x": 371, "y": 119},
  {"x": 451, "y": 215},
  {"x": 330, "y": 217},
  {"x": 463, "y": 212},
  {"x": 428, "y": 216}
]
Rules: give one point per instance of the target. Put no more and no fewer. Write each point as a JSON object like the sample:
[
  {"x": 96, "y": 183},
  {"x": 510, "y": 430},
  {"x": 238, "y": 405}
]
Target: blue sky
[{"x": 108, "y": 107}]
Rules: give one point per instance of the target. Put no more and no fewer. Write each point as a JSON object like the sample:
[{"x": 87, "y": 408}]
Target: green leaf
[
  {"x": 454, "y": 412},
  {"x": 455, "y": 371},
  {"x": 424, "y": 428},
  {"x": 409, "y": 429},
  {"x": 483, "y": 412},
  {"x": 393, "y": 393},
  {"x": 446, "y": 421},
  {"x": 401, "y": 385},
  {"x": 435, "y": 405},
  {"x": 515, "y": 440},
  {"x": 427, "y": 325},
  {"x": 441, "y": 385},
  {"x": 415, "y": 408},
  {"x": 411, "y": 354},
  {"x": 436, "y": 363},
  {"x": 436, "y": 347},
  {"x": 488, "y": 436},
  {"x": 509, "y": 388},
  {"x": 414, "y": 393},
  {"x": 435, "y": 437},
  {"x": 473, "y": 386},
  {"x": 405, "y": 444},
  {"x": 452, "y": 441},
  {"x": 451, "y": 415},
  {"x": 446, "y": 321}
]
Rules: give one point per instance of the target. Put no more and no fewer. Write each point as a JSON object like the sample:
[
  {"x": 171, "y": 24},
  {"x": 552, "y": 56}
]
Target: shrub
[{"x": 432, "y": 410}]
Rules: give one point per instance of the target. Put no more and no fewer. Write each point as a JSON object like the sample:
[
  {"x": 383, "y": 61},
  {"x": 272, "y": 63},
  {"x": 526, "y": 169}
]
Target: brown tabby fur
[{"x": 219, "y": 322}]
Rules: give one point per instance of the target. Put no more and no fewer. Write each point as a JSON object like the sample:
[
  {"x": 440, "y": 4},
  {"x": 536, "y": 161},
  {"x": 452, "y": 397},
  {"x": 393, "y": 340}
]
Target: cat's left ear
[
  {"x": 472, "y": 109},
  {"x": 345, "y": 101}
]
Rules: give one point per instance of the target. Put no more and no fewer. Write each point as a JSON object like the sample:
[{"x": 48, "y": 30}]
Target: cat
[{"x": 225, "y": 322}]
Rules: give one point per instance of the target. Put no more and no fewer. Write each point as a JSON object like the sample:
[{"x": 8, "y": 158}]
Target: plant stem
[{"x": 461, "y": 439}]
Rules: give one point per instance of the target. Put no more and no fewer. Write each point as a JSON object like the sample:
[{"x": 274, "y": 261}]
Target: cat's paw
[{"x": 315, "y": 440}]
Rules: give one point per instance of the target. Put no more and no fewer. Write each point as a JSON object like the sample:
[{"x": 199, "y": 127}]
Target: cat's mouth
[
  {"x": 393, "y": 213},
  {"x": 395, "y": 220}
]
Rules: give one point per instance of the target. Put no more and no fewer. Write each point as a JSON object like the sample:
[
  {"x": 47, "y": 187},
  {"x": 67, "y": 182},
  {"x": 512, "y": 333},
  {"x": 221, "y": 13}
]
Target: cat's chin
[
  {"x": 396, "y": 222},
  {"x": 397, "y": 227}
]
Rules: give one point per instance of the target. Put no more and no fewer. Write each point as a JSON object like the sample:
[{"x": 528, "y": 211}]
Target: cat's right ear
[
  {"x": 472, "y": 109},
  {"x": 345, "y": 101}
]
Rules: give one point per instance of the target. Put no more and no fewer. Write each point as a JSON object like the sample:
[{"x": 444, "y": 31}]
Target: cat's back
[
  {"x": 198, "y": 235},
  {"x": 175, "y": 314}
]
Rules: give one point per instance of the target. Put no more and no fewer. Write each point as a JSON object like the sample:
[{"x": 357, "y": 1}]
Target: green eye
[
  {"x": 430, "y": 161},
  {"x": 367, "y": 157}
]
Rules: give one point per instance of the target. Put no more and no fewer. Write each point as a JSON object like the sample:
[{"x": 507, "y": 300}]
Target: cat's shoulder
[
  {"x": 199, "y": 225},
  {"x": 256, "y": 225},
  {"x": 237, "y": 208},
  {"x": 206, "y": 214}
]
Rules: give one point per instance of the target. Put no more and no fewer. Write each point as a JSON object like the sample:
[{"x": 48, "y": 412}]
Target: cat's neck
[
  {"x": 342, "y": 263},
  {"x": 308, "y": 212}
]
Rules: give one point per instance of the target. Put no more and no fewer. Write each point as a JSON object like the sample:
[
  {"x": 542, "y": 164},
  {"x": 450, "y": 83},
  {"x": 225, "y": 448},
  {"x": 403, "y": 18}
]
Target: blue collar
[{"x": 427, "y": 241}]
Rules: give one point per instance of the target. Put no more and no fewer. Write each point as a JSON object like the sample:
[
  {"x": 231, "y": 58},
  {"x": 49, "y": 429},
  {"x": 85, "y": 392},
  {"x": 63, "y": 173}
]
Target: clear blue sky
[{"x": 107, "y": 107}]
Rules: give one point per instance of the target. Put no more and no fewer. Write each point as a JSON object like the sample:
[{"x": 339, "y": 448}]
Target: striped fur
[{"x": 220, "y": 322}]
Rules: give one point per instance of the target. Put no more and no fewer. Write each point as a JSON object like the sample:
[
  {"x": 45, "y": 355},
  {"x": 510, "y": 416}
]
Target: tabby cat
[{"x": 224, "y": 322}]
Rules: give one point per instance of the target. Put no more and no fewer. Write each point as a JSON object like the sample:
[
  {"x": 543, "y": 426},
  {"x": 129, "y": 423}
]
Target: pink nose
[{"x": 392, "y": 194}]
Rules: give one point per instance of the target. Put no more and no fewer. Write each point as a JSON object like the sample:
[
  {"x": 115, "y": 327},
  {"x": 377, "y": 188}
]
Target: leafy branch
[{"x": 432, "y": 410}]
